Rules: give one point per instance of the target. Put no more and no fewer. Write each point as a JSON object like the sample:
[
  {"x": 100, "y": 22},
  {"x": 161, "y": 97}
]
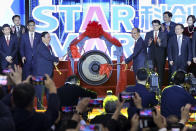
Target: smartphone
[
  {"x": 67, "y": 109},
  {"x": 6, "y": 71},
  {"x": 175, "y": 129},
  {"x": 38, "y": 80},
  {"x": 146, "y": 113},
  {"x": 96, "y": 102},
  {"x": 193, "y": 109},
  {"x": 94, "y": 127},
  {"x": 127, "y": 96},
  {"x": 3, "y": 80}
]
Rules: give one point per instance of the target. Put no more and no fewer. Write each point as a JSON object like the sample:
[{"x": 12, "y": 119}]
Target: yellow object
[{"x": 57, "y": 69}]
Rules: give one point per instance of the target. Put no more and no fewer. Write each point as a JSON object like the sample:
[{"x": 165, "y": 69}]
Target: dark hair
[
  {"x": 156, "y": 21},
  {"x": 138, "y": 30},
  {"x": 2, "y": 94},
  {"x": 73, "y": 78},
  {"x": 191, "y": 16},
  {"x": 110, "y": 106},
  {"x": 179, "y": 77},
  {"x": 30, "y": 21},
  {"x": 5, "y": 25},
  {"x": 43, "y": 34},
  {"x": 142, "y": 74},
  {"x": 15, "y": 17},
  {"x": 23, "y": 95},
  {"x": 168, "y": 13},
  {"x": 178, "y": 24}
]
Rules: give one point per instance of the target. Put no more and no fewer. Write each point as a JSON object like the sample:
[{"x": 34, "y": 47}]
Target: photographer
[
  {"x": 175, "y": 96},
  {"x": 70, "y": 93},
  {"x": 148, "y": 98}
]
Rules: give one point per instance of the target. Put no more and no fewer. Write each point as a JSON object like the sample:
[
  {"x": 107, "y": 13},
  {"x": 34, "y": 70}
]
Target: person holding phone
[
  {"x": 156, "y": 43},
  {"x": 148, "y": 98}
]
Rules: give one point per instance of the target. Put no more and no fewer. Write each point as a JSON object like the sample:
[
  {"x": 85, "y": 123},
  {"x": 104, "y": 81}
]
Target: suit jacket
[
  {"x": 156, "y": 50},
  {"x": 10, "y": 50},
  {"x": 172, "y": 50},
  {"x": 194, "y": 44},
  {"x": 25, "y": 46},
  {"x": 172, "y": 29},
  {"x": 148, "y": 98},
  {"x": 139, "y": 55},
  {"x": 173, "y": 98},
  {"x": 20, "y": 32},
  {"x": 44, "y": 60}
]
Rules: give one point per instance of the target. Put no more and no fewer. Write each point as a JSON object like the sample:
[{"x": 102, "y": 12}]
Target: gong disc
[{"x": 89, "y": 65}]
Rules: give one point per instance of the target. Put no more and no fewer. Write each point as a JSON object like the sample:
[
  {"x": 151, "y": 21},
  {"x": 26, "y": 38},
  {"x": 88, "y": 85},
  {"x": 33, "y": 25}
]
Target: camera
[
  {"x": 96, "y": 102},
  {"x": 146, "y": 118},
  {"x": 37, "y": 80},
  {"x": 192, "y": 88},
  {"x": 94, "y": 127},
  {"x": 193, "y": 109}
]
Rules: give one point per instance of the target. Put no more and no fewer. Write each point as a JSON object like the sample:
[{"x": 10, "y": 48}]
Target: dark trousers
[
  {"x": 27, "y": 70},
  {"x": 179, "y": 64}
]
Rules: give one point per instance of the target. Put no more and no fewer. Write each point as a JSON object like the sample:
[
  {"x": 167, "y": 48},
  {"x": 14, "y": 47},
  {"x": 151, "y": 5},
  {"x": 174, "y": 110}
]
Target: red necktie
[
  {"x": 7, "y": 41},
  {"x": 155, "y": 38}
]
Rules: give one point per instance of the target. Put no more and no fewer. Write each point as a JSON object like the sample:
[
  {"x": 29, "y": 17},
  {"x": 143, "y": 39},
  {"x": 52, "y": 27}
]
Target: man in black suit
[
  {"x": 194, "y": 51},
  {"x": 168, "y": 26},
  {"x": 139, "y": 51},
  {"x": 179, "y": 50},
  {"x": 66, "y": 95},
  {"x": 17, "y": 29},
  {"x": 156, "y": 42}
]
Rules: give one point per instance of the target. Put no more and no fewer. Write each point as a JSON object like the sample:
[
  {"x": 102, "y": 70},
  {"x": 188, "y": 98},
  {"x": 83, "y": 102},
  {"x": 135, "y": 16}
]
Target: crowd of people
[{"x": 26, "y": 53}]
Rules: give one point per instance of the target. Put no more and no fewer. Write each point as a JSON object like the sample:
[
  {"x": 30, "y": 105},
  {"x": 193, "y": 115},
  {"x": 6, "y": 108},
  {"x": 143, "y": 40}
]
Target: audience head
[
  {"x": 179, "y": 28},
  {"x": 142, "y": 75},
  {"x": 167, "y": 16},
  {"x": 31, "y": 26},
  {"x": 6, "y": 29},
  {"x": 73, "y": 79},
  {"x": 110, "y": 103},
  {"x": 191, "y": 20},
  {"x": 23, "y": 95},
  {"x": 179, "y": 77},
  {"x": 45, "y": 37},
  {"x": 16, "y": 20},
  {"x": 135, "y": 33},
  {"x": 156, "y": 24}
]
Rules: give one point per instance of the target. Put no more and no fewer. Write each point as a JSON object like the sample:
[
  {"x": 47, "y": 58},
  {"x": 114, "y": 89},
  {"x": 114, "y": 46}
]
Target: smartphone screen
[
  {"x": 96, "y": 102},
  {"x": 146, "y": 113},
  {"x": 90, "y": 128},
  {"x": 67, "y": 109},
  {"x": 37, "y": 80},
  {"x": 3, "y": 80},
  {"x": 127, "y": 96},
  {"x": 6, "y": 71},
  {"x": 175, "y": 129}
]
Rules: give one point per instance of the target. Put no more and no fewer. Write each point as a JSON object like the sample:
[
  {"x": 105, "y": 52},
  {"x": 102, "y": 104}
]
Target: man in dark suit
[
  {"x": 156, "y": 42},
  {"x": 148, "y": 98},
  {"x": 175, "y": 96},
  {"x": 67, "y": 98},
  {"x": 44, "y": 61},
  {"x": 28, "y": 45},
  {"x": 179, "y": 50},
  {"x": 139, "y": 51},
  {"x": 168, "y": 26},
  {"x": 18, "y": 30},
  {"x": 8, "y": 48}
]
